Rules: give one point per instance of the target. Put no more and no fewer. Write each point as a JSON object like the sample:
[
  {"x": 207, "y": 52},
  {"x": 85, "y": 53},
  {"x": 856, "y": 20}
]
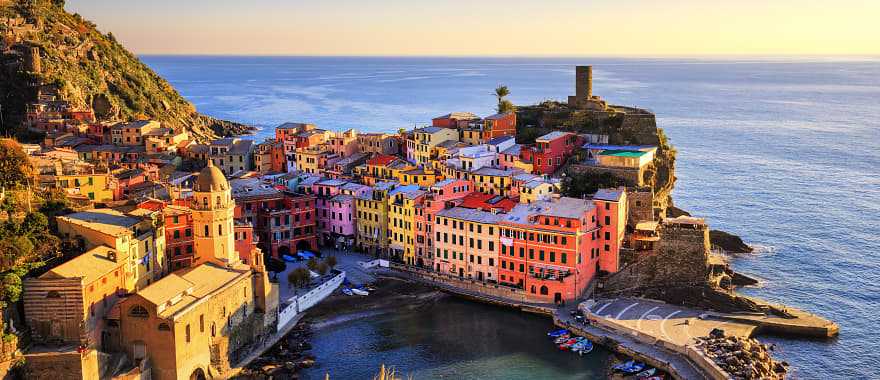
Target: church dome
[{"x": 210, "y": 179}]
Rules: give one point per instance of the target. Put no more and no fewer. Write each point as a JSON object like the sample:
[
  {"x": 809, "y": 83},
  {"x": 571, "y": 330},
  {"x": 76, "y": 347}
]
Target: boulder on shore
[{"x": 728, "y": 242}]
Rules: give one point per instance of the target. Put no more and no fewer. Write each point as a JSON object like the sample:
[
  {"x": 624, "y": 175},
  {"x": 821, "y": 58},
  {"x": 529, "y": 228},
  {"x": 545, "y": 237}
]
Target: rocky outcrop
[
  {"x": 623, "y": 125},
  {"x": 90, "y": 70},
  {"x": 728, "y": 242},
  {"x": 742, "y": 358}
]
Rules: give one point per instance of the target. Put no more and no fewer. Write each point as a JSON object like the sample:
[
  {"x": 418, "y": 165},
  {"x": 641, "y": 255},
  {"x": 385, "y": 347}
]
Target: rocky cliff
[{"x": 42, "y": 44}]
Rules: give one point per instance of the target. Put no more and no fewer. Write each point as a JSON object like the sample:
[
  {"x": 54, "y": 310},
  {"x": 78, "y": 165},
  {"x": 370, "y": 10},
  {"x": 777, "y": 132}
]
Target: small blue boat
[
  {"x": 557, "y": 333},
  {"x": 632, "y": 366}
]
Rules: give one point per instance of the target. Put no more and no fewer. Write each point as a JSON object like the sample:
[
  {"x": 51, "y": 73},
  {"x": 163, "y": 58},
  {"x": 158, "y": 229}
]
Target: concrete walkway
[{"x": 677, "y": 365}]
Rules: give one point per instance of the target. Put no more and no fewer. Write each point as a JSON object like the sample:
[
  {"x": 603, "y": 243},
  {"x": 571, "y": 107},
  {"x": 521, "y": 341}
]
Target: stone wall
[
  {"x": 62, "y": 365},
  {"x": 632, "y": 177},
  {"x": 681, "y": 259},
  {"x": 640, "y": 203}
]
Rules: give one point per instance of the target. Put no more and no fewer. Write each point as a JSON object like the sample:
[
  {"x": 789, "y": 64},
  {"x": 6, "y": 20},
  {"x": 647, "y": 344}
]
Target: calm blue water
[{"x": 785, "y": 153}]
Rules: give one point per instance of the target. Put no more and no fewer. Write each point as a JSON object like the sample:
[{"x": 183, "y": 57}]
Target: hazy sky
[{"x": 490, "y": 27}]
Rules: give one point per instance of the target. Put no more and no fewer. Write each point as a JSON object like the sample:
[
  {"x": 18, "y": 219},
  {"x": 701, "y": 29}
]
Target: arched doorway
[
  {"x": 544, "y": 290},
  {"x": 557, "y": 297},
  {"x": 198, "y": 374}
]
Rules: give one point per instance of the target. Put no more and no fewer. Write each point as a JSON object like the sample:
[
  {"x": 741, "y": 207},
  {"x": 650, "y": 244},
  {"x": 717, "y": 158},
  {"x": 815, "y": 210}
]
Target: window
[
  {"x": 164, "y": 327},
  {"x": 188, "y": 335},
  {"x": 138, "y": 311},
  {"x": 202, "y": 323},
  {"x": 207, "y": 232},
  {"x": 564, "y": 257}
]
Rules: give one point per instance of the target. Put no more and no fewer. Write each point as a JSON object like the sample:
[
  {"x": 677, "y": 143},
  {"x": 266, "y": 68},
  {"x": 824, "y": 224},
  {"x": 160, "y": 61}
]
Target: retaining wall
[{"x": 301, "y": 303}]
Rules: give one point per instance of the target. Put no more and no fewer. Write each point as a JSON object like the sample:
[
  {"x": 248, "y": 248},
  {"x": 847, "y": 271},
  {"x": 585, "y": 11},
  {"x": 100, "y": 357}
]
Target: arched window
[
  {"x": 164, "y": 327},
  {"x": 543, "y": 290},
  {"x": 220, "y": 229},
  {"x": 213, "y": 329},
  {"x": 218, "y": 201},
  {"x": 205, "y": 201},
  {"x": 138, "y": 311},
  {"x": 533, "y": 289}
]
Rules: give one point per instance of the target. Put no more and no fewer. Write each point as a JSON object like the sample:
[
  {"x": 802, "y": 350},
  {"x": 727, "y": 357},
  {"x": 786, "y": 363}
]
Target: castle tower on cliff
[
  {"x": 213, "y": 212},
  {"x": 583, "y": 91}
]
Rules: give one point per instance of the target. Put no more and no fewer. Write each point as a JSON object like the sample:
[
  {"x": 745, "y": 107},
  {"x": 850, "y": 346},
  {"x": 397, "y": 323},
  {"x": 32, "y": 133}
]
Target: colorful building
[
  {"x": 372, "y": 218},
  {"x": 283, "y": 221},
  {"x": 612, "y": 214},
  {"x": 466, "y": 242},
  {"x": 435, "y": 199},
  {"x": 420, "y": 149},
  {"x": 401, "y": 222},
  {"x": 550, "y": 151}
]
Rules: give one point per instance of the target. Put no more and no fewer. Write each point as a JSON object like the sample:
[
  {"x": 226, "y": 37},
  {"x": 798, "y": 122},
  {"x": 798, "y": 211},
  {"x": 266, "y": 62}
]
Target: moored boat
[
  {"x": 646, "y": 373},
  {"x": 360, "y": 292},
  {"x": 557, "y": 333}
]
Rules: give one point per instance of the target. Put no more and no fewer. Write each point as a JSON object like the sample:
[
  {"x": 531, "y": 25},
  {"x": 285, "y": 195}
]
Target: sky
[{"x": 490, "y": 27}]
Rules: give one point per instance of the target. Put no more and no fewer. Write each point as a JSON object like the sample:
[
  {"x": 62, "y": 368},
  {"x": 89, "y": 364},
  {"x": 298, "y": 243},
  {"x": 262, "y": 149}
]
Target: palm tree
[{"x": 500, "y": 92}]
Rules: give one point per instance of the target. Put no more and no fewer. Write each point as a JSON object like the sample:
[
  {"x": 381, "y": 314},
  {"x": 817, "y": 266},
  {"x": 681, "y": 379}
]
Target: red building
[
  {"x": 283, "y": 222},
  {"x": 550, "y": 151},
  {"x": 502, "y": 124},
  {"x": 245, "y": 244},
  {"x": 454, "y": 120},
  {"x": 550, "y": 249},
  {"x": 269, "y": 157},
  {"x": 178, "y": 232}
]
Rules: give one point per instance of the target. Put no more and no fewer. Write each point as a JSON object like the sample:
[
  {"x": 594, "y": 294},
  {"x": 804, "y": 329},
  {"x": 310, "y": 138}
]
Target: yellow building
[
  {"x": 132, "y": 133},
  {"x": 312, "y": 159},
  {"x": 97, "y": 187},
  {"x": 382, "y": 168},
  {"x": 401, "y": 222},
  {"x": 420, "y": 149},
  {"x": 187, "y": 325},
  {"x": 493, "y": 181},
  {"x": 537, "y": 190},
  {"x": 423, "y": 177},
  {"x": 372, "y": 218},
  {"x": 137, "y": 239}
]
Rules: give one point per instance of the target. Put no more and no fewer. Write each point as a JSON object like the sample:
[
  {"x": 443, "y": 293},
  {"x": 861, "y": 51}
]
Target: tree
[
  {"x": 15, "y": 169},
  {"x": 323, "y": 268},
  {"x": 299, "y": 277},
  {"x": 504, "y": 105},
  {"x": 312, "y": 264},
  {"x": 331, "y": 261}
]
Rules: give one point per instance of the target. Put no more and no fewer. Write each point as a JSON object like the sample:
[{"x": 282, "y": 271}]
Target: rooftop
[
  {"x": 622, "y": 153},
  {"x": 497, "y": 116},
  {"x": 251, "y": 187},
  {"x": 459, "y": 116},
  {"x": 381, "y": 160},
  {"x": 429, "y": 130},
  {"x": 470, "y": 214},
  {"x": 478, "y": 200},
  {"x": 91, "y": 265},
  {"x": 494, "y": 172},
  {"x": 552, "y": 136},
  {"x": 105, "y": 220},
  {"x": 500, "y": 139},
  {"x": 563, "y": 207},
  {"x": 182, "y": 289},
  {"x": 612, "y": 195}
]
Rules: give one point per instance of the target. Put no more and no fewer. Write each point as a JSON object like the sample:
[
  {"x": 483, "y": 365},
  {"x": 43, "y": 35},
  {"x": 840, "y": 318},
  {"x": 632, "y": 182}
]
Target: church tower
[{"x": 213, "y": 212}]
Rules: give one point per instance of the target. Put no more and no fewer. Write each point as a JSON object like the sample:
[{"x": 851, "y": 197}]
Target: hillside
[
  {"x": 42, "y": 44},
  {"x": 623, "y": 125}
]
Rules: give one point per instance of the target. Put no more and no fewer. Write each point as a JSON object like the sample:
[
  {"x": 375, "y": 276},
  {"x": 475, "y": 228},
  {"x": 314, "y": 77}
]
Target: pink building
[
  {"x": 612, "y": 218},
  {"x": 426, "y": 211},
  {"x": 334, "y": 206},
  {"x": 466, "y": 243}
]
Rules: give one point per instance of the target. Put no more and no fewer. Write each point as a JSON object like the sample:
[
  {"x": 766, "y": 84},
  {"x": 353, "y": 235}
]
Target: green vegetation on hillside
[{"x": 90, "y": 69}]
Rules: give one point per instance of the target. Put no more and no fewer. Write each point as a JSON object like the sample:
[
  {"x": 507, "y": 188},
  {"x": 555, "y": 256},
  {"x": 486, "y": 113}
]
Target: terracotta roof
[
  {"x": 381, "y": 160},
  {"x": 478, "y": 200}
]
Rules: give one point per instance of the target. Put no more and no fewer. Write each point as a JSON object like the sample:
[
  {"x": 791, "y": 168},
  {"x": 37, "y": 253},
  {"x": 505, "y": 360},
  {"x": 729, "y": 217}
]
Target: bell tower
[{"x": 213, "y": 213}]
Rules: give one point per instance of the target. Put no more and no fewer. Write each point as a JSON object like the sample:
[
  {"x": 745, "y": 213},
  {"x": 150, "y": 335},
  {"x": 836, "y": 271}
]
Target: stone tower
[
  {"x": 583, "y": 82},
  {"x": 213, "y": 210}
]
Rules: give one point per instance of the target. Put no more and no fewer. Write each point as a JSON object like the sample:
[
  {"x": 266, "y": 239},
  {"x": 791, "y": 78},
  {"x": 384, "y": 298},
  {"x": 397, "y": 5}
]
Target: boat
[
  {"x": 584, "y": 347},
  {"x": 562, "y": 339},
  {"x": 557, "y": 333},
  {"x": 289, "y": 258},
  {"x": 634, "y": 367},
  {"x": 570, "y": 342},
  {"x": 646, "y": 373},
  {"x": 655, "y": 377},
  {"x": 347, "y": 291},
  {"x": 360, "y": 292},
  {"x": 622, "y": 366}
]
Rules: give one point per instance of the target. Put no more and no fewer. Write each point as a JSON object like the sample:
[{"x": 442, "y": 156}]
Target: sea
[{"x": 783, "y": 151}]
